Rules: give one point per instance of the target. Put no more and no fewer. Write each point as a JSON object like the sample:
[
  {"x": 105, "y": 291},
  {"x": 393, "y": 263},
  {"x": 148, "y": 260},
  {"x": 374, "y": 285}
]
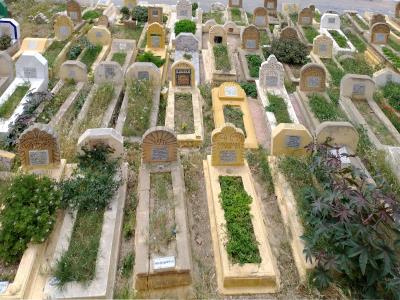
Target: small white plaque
[
  {"x": 3, "y": 286},
  {"x": 161, "y": 263}
]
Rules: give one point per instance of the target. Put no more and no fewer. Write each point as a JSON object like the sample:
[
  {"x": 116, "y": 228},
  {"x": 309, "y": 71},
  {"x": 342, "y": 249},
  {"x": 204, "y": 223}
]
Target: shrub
[
  {"x": 184, "y": 26},
  {"x": 254, "y": 62},
  {"x": 221, "y": 58},
  {"x": 242, "y": 245},
  {"x": 278, "y": 107},
  {"x": 150, "y": 57},
  {"x": 140, "y": 14},
  {"x": 29, "y": 214},
  {"x": 250, "y": 88},
  {"x": 91, "y": 15},
  {"x": 195, "y": 6},
  {"x": 187, "y": 56},
  {"x": 5, "y": 42},
  {"x": 290, "y": 52},
  {"x": 125, "y": 12},
  {"x": 74, "y": 52}
]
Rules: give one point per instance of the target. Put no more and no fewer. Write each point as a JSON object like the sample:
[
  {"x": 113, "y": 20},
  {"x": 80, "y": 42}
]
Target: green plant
[
  {"x": 184, "y": 26},
  {"x": 323, "y": 109},
  {"x": 241, "y": 245},
  {"x": 294, "y": 17},
  {"x": 358, "y": 65},
  {"x": 127, "y": 265},
  {"x": 162, "y": 111},
  {"x": 289, "y": 86},
  {"x": 310, "y": 33},
  {"x": 52, "y": 52},
  {"x": 5, "y": 42},
  {"x": 335, "y": 72},
  {"x": 216, "y": 15},
  {"x": 391, "y": 91},
  {"x": 187, "y": 56},
  {"x": 257, "y": 160},
  {"x": 340, "y": 39},
  {"x": 150, "y": 57},
  {"x": 28, "y": 214},
  {"x": 140, "y": 100},
  {"x": 233, "y": 114},
  {"x": 221, "y": 58},
  {"x": 237, "y": 16},
  {"x": 195, "y": 6},
  {"x": 90, "y": 54},
  {"x": 388, "y": 110},
  {"x": 125, "y": 12},
  {"x": 8, "y": 107},
  {"x": 91, "y": 14},
  {"x": 287, "y": 51},
  {"x": 74, "y": 52},
  {"x": 356, "y": 41},
  {"x": 119, "y": 57},
  {"x": 184, "y": 119},
  {"x": 140, "y": 13},
  {"x": 249, "y": 88},
  {"x": 393, "y": 57},
  {"x": 278, "y": 106},
  {"x": 264, "y": 38},
  {"x": 360, "y": 21},
  {"x": 317, "y": 16},
  {"x": 392, "y": 43},
  {"x": 254, "y": 62}
]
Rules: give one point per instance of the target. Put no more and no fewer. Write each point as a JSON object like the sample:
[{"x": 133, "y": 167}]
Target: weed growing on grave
[
  {"x": 323, "y": 109},
  {"x": 221, "y": 58},
  {"x": 233, "y": 114},
  {"x": 184, "y": 120},
  {"x": 340, "y": 39},
  {"x": 208, "y": 119},
  {"x": 127, "y": 265},
  {"x": 249, "y": 88},
  {"x": 184, "y": 26},
  {"x": 358, "y": 65},
  {"x": 310, "y": 33},
  {"x": 53, "y": 51},
  {"x": 8, "y": 107},
  {"x": 150, "y": 57},
  {"x": 216, "y": 15},
  {"x": 254, "y": 62},
  {"x": 257, "y": 160},
  {"x": 237, "y": 16},
  {"x": 278, "y": 106},
  {"x": 119, "y": 57}
]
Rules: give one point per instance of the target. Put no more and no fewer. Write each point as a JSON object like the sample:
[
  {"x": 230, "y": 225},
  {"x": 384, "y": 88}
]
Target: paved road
[{"x": 382, "y": 6}]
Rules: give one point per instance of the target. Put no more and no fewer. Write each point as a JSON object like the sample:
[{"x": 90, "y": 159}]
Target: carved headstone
[
  {"x": 250, "y": 38},
  {"x": 6, "y": 65},
  {"x": 109, "y": 137},
  {"x": 312, "y": 78},
  {"x": 183, "y": 73},
  {"x": 73, "y": 70},
  {"x": 397, "y": 10},
  {"x": 323, "y": 46},
  {"x": 103, "y": 21},
  {"x": 235, "y": 3},
  {"x": 217, "y": 35},
  {"x": 108, "y": 71},
  {"x": 260, "y": 16},
  {"x": 306, "y": 16},
  {"x": 380, "y": 33},
  {"x": 289, "y": 33},
  {"x": 38, "y": 147},
  {"x": 144, "y": 71},
  {"x": 159, "y": 145},
  {"x": 99, "y": 35},
  {"x": 330, "y": 21},
  {"x": 355, "y": 86},
  {"x": 63, "y": 28},
  {"x": 227, "y": 146},
  {"x": 377, "y": 18},
  {"x": 155, "y": 15},
  {"x": 272, "y": 74},
  {"x": 74, "y": 11},
  {"x": 186, "y": 41}
]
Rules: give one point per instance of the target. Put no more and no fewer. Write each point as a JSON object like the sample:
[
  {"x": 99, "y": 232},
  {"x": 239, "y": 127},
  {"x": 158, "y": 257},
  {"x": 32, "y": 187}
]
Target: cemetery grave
[{"x": 164, "y": 180}]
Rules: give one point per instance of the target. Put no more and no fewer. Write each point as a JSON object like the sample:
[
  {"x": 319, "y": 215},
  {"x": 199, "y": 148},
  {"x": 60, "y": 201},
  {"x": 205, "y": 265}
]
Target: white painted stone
[
  {"x": 384, "y": 76},
  {"x": 272, "y": 73},
  {"x": 109, "y": 71},
  {"x": 186, "y": 42},
  {"x": 11, "y": 28},
  {"x": 184, "y": 10},
  {"x": 330, "y": 21},
  {"x": 105, "y": 136}
]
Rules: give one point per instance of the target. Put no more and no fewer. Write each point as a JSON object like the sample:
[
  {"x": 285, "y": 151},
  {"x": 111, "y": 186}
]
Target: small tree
[
  {"x": 125, "y": 12},
  {"x": 5, "y": 42},
  {"x": 139, "y": 13},
  {"x": 195, "y": 6},
  {"x": 185, "y": 26},
  {"x": 289, "y": 51}
]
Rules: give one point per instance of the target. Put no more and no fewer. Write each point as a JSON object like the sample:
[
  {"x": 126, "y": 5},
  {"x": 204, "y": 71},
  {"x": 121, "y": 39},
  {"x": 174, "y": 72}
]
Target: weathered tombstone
[
  {"x": 289, "y": 8},
  {"x": 289, "y": 33},
  {"x": 340, "y": 134},
  {"x": 73, "y": 70},
  {"x": 11, "y": 28},
  {"x": 218, "y": 6},
  {"x": 356, "y": 86},
  {"x": 155, "y": 36},
  {"x": 183, "y": 10},
  {"x": 330, "y": 21},
  {"x": 108, "y": 71},
  {"x": 208, "y": 24},
  {"x": 32, "y": 65},
  {"x": 272, "y": 74},
  {"x": 103, "y": 21},
  {"x": 99, "y": 35},
  {"x": 397, "y": 10},
  {"x": 306, "y": 16},
  {"x": 235, "y": 3},
  {"x": 384, "y": 76},
  {"x": 323, "y": 46},
  {"x": 155, "y": 15},
  {"x": 232, "y": 28},
  {"x": 290, "y": 139},
  {"x": 3, "y": 9},
  {"x": 260, "y": 16},
  {"x": 183, "y": 73},
  {"x": 6, "y": 160},
  {"x": 227, "y": 146},
  {"x": 38, "y": 147},
  {"x": 144, "y": 71},
  {"x": 186, "y": 41},
  {"x": 217, "y": 35},
  {"x": 377, "y": 18},
  {"x": 109, "y": 137},
  {"x": 63, "y": 27},
  {"x": 159, "y": 145},
  {"x": 130, "y": 4},
  {"x": 250, "y": 37},
  {"x": 271, "y": 5},
  {"x": 312, "y": 78},
  {"x": 6, "y": 65},
  {"x": 74, "y": 11},
  {"x": 380, "y": 33}
]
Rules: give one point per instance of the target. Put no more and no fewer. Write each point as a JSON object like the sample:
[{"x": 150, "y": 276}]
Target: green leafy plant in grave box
[
  {"x": 294, "y": 18},
  {"x": 391, "y": 91},
  {"x": 387, "y": 110},
  {"x": 249, "y": 88},
  {"x": 216, "y": 15},
  {"x": 233, "y": 114},
  {"x": 29, "y": 214},
  {"x": 264, "y": 38},
  {"x": 393, "y": 57},
  {"x": 356, "y": 41},
  {"x": 317, "y": 16},
  {"x": 358, "y": 65},
  {"x": 236, "y": 16},
  {"x": 323, "y": 109},
  {"x": 52, "y": 107},
  {"x": 242, "y": 245},
  {"x": 221, "y": 57},
  {"x": 184, "y": 26},
  {"x": 289, "y": 86},
  {"x": 278, "y": 107},
  {"x": 290, "y": 52},
  {"x": 53, "y": 51},
  {"x": 125, "y": 12},
  {"x": 77, "y": 48},
  {"x": 351, "y": 237},
  {"x": 90, "y": 54},
  {"x": 9, "y": 106},
  {"x": 91, "y": 14},
  {"x": 360, "y": 22},
  {"x": 335, "y": 72},
  {"x": 254, "y": 62},
  {"x": 140, "y": 100},
  {"x": 258, "y": 161},
  {"x": 119, "y": 57},
  {"x": 340, "y": 39},
  {"x": 150, "y": 57},
  {"x": 140, "y": 13},
  {"x": 392, "y": 43},
  {"x": 310, "y": 33},
  {"x": 5, "y": 42},
  {"x": 89, "y": 190}
]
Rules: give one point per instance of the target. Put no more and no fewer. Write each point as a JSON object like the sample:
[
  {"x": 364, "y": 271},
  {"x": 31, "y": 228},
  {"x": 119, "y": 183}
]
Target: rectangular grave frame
[
  {"x": 145, "y": 277},
  {"x": 243, "y": 61},
  {"x": 234, "y": 279}
]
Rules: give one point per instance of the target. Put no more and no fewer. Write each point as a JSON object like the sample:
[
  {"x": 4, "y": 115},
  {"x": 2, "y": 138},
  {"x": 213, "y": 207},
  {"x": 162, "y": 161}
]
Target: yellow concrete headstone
[
  {"x": 155, "y": 36},
  {"x": 290, "y": 139},
  {"x": 99, "y": 35},
  {"x": 183, "y": 73},
  {"x": 227, "y": 146},
  {"x": 63, "y": 28}
]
